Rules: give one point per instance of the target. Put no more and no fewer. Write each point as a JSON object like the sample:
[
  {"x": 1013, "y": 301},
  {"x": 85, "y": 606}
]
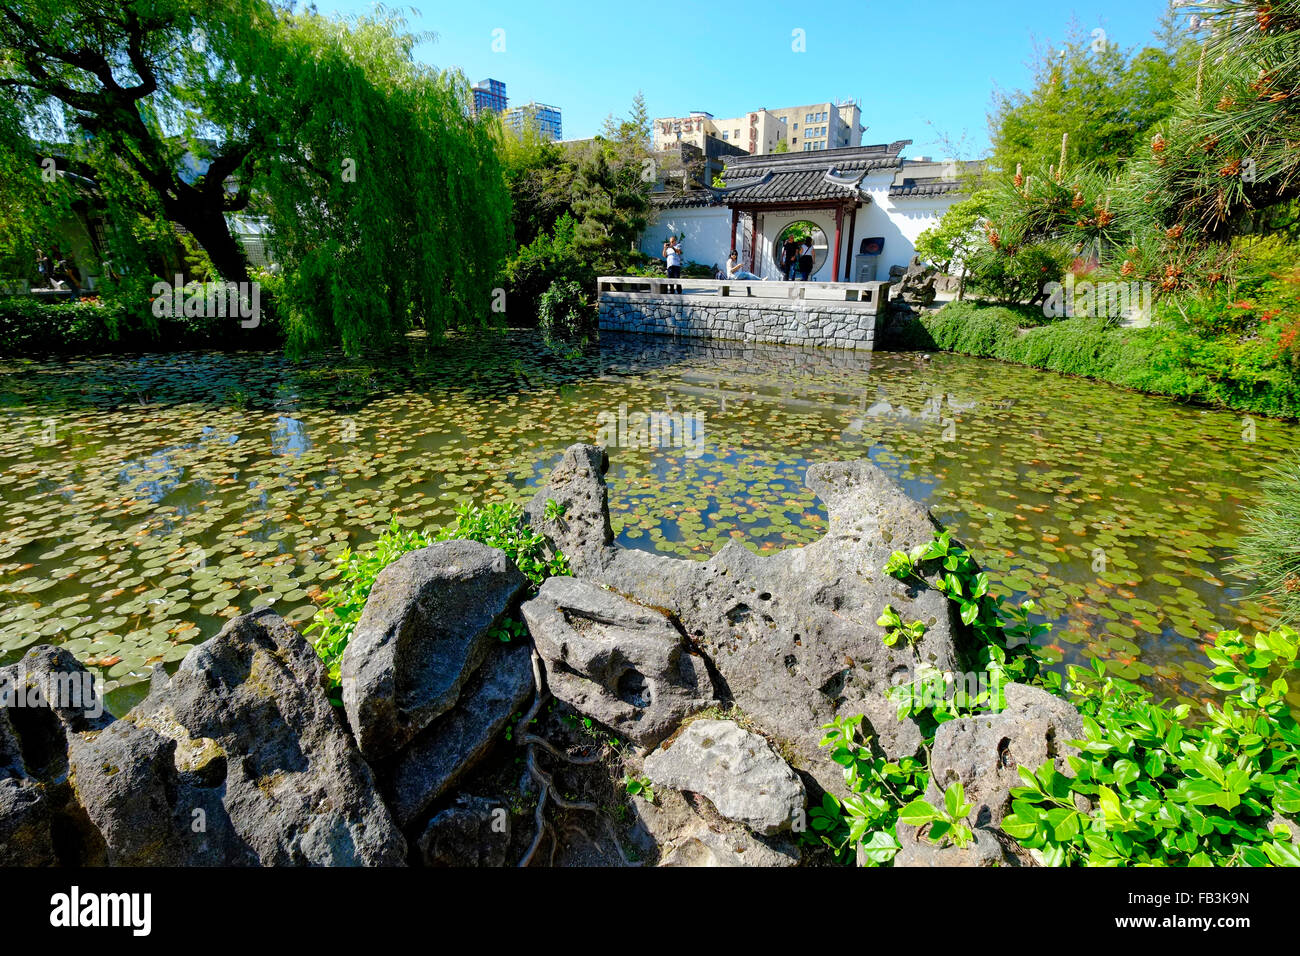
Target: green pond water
[{"x": 146, "y": 499}]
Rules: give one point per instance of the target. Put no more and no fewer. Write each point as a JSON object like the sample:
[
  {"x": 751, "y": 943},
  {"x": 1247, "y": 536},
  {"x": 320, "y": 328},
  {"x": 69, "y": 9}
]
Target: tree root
[{"x": 546, "y": 782}]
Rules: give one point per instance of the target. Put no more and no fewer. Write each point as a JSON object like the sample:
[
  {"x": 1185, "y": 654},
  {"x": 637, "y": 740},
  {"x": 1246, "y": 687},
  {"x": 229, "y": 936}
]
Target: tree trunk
[{"x": 212, "y": 232}]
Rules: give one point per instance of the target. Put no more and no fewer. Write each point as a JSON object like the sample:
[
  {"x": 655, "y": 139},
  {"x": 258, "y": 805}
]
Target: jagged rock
[
  {"x": 735, "y": 769},
  {"x": 442, "y": 754},
  {"x": 425, "y": 628},
  {"x": 792, "y": 636},
  {"x": 682, "y": 834},
  {"x": 46, "y": 699},
  {"x": 25, "y": 836},
  {"x": 984, "y": 849},
  {"x": 583, "y": 531},
  {"x": 618, "y": 662},
  {"x": 982, "y": 752},
  {"x": 474, "y": 831},
  {"x": 244, "y": 732},
  {"x": 148, "y": 810}
]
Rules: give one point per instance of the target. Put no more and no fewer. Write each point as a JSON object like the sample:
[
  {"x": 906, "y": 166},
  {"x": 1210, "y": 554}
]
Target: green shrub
[
  {"x": 533, "y": 269},
  {"x": 30, "y": 324},
  {"x": 120, "y": 318},
  {"x": 1163, "y": 359},
  {"x": 1168, "y": 792},
  {"x": 1158, "y": 788},
  {"x": 496, "y": 525},
  {"x": 1014, "y": 277},
  {"x": 565, "y": 310}
]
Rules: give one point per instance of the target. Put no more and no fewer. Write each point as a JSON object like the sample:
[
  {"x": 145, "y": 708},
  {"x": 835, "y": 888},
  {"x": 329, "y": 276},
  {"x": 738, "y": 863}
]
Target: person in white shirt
[
  {"x": 735, "y": 272},
  {"x": 673, "y": 259}
]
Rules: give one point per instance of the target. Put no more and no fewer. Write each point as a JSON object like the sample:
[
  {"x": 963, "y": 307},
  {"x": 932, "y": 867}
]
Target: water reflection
[{"x": 1114, "y": 510}]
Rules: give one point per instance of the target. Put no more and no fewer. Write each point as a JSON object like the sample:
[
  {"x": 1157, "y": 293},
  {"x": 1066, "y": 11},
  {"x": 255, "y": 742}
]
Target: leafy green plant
[
  {"x": 1150, "y": 786},
  {"x": 863, "y": 823},
  {"x": 639, "y": 787},
  {"x": 896, "y": 630},
  {"x": 496, "y": 525},
  {"x": 503, "y": 526},
  {"x": 565, "y": 310},
  {"x": 1004, "y": 635},
  {"x": 945, "y": 823},
  {"x": 1164, "y": 791}
]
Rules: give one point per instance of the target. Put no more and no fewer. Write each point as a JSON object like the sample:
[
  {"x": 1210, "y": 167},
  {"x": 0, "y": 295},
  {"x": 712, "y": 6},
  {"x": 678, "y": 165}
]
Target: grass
[{"x": 1228, "y": 372}]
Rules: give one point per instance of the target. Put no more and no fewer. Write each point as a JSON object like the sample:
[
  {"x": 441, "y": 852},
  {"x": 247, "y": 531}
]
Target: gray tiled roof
[
  {"x": 802, "y": 177},
  {"x": 676, "y": 199},
  {"x": 920, "y": 188}
]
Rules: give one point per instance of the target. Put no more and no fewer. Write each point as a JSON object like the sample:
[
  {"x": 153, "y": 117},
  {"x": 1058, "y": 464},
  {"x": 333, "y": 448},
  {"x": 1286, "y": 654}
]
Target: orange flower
[{"x": 1158, "y": 144}]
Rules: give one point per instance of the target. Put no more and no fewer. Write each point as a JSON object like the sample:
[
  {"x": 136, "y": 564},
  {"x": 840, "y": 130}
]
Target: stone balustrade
[{"x": 844, "y": 315}]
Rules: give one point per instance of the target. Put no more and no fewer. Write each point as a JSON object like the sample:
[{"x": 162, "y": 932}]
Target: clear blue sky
[{"x": 921, "y": 68}]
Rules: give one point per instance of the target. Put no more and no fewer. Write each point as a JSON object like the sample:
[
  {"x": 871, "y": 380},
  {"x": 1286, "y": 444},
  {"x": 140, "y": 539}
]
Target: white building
[{"x": 862, "y": 207}]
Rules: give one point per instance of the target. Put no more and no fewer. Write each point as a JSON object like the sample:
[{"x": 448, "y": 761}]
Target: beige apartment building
[
  {"x": 822, "y": 125},
  {"x": 804, "y": 128}
]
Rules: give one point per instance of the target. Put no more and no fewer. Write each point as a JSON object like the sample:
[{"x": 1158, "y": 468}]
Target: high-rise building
[
  {"x": 489, "y": 95},
  {"x": 546, "y": 118}
]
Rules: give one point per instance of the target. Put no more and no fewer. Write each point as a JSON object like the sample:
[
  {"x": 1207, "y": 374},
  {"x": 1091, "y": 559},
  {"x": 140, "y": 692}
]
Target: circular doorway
[{"x": 789, "y": 239}]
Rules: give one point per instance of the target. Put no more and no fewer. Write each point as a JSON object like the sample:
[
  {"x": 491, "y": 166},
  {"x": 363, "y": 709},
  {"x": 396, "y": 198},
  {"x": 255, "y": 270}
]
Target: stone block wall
[{"x": 769, "y": 321}]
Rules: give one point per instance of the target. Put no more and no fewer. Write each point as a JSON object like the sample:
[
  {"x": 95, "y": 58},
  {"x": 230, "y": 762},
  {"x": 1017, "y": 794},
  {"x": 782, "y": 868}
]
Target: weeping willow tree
[
  {"x": 388, "y": 207},
  {"x": 388, "y": 200}
]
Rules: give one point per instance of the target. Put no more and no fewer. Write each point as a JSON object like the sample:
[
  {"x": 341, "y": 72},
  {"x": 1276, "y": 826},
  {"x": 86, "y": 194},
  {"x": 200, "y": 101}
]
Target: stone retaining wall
[{"x": 797, "y": 322}]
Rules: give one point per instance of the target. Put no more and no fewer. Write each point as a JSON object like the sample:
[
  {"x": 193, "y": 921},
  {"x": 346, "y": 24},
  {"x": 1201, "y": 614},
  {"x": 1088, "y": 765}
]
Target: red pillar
[
  {"x": 735, "y": 219},
  {"x": 753, "y": 238},
  {"x": 839, "y": 224},
  {"x": 853, "y": 222}
]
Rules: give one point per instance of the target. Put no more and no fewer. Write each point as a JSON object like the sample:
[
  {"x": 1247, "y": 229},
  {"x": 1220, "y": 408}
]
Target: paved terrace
[{"x": 843, "y": 315}]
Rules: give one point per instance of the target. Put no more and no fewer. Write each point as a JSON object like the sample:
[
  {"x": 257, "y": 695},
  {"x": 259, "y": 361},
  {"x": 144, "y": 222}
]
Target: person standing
[
  {"x": 44, "y": 268},
  {"x": 673, "y": 259},
  {"x": 805, "y": 261}
]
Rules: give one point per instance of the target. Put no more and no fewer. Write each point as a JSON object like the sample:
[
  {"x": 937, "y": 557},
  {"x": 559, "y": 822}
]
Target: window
[
  {"x": 805, "y": 147},
  {"x": 724, "y": 134},
  {"x": 796, "y": 125},
  {"x": 736, "y": 134}
]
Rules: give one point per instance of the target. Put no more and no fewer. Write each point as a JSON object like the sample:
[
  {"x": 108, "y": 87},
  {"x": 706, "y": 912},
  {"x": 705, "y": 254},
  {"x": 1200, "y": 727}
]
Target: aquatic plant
[{"x": 496, "y": 525}]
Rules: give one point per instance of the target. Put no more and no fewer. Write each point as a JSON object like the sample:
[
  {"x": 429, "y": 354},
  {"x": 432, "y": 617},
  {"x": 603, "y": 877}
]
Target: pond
[{"x": 146, "y": 499}]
